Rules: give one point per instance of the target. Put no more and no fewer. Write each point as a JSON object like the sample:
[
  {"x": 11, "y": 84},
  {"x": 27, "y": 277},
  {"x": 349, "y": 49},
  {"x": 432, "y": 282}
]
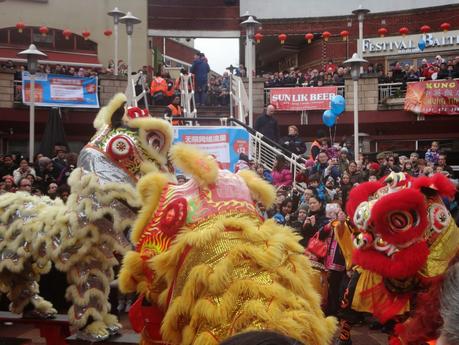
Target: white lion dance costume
[
  {"x": 207, "y": 266},
  {"x": 80, "y": 237}
]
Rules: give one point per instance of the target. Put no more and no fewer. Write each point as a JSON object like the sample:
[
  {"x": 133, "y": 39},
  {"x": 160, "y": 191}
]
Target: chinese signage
[
  {"x": 224, "y": 143},
  {"x": 433, "y": 97},
  {"x": 56, "y": 90},
  {"x": 302, "y": 98},
  {"x": 409, "y": 44}
]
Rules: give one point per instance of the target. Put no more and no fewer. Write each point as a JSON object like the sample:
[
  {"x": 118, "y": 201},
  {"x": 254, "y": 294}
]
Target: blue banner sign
[
  {"x": 56, "y": 90},
  {"x": 224, "y": 143}
]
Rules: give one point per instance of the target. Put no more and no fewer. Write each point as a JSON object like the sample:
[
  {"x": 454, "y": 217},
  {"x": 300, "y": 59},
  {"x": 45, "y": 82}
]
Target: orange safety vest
[
  {"x": 176, "y": 112},
  {"x": 170, "y": 91},
  {"x": 158, "y": 84}
]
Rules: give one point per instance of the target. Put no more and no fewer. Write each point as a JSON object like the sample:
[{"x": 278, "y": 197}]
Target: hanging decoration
[
  {"x": 425, "y": 29},
  {"x": 108, "y": 32},
  {"x": 282, "y": 38},
  {"x": 382, "y": 32},
  {"x": 43, "y": 30},
  {"x": 326, "y": 35},
  {"x": 258, "y": 37},
  {"x": 344, "y": 34},
  {"x": 67, "y": 33},
  {"x": 404, "y": 31},
  {"x": 309, "y": 37},
  {"x": 328, "y": 118},
  {"x": 20, "y": 26},
  {"x": 445, "y": 27},
  {"x": 422, "y": 44},
  {"x": 86, "y": 35}
]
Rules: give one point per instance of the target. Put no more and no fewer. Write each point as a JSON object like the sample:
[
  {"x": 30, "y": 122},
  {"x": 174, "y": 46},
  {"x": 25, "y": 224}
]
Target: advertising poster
[
  {"x": 302, "y": 98},
  {"x": 433, "y": 97},
  {"x": 224, "y": 143},
  {"x": 56, "y": 90}
]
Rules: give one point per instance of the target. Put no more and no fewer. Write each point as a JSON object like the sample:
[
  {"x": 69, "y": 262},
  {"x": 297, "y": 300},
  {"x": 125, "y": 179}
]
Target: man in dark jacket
[
  {"x": 200, "y": 69},
  {"x": 267, "y": 125},
  {"x": 292, "y": 142}
]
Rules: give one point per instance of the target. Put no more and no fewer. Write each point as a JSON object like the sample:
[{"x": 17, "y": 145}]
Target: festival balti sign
[
  {"x": 302, "y": 98},
  {"x": 399, "y": 45},
  {"x": 433, "y": 97}
]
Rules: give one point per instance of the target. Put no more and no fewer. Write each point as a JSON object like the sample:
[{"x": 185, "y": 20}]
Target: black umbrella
[{"x": 54, "y": 133}]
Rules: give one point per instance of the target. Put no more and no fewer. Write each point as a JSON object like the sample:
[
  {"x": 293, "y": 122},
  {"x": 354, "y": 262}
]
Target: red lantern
[
  {"x": 309, "y": 37},
  {"x": 43, "y": 30},
  {"x": 344, "y": 34},
  {"x": 20, "y": 26},
  {"x": 86, "y": 34},
  {"x": 67, "y": 33},
  {"x": 404, "y": 31},
  {"x": 258, "y": 37},
  {"x": 382, "y": 32},
  {"x": 282, "y": 38},
  {"x": 326, "y": 35},
  {"x": 445, "y": 26},
  {"x": 108, "y": 32},
  {"x": 425, "y": 29}
]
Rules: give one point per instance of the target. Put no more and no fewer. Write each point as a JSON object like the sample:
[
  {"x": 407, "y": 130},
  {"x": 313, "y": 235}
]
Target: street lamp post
[
  {"x": 360, "y": 13},
  {"x": 32, "y": 54},
  {"x": 130, "y": 21},
  {"x": 116, "y": 14},
  {"x": 356, "y": 63},
  {"x": 250, "y": 24}
]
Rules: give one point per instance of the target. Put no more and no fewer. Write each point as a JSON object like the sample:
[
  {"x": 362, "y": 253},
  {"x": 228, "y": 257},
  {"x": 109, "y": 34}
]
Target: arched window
[{"x": 54, "y": 40}]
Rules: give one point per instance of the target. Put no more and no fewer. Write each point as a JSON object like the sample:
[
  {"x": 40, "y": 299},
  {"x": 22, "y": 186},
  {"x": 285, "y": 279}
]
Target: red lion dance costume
[{"x": 404, "y": 241}]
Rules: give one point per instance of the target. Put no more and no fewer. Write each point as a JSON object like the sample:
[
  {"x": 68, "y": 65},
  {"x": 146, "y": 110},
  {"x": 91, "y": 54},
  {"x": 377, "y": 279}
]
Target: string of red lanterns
[
  {"x": 382, "y": 32},
  {"x": 44, "y": 30}
]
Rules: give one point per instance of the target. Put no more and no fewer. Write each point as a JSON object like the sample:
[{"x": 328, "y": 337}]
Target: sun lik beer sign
[
  {"x": 302, "y": 98},
  {"x": 398, "y": 45}
]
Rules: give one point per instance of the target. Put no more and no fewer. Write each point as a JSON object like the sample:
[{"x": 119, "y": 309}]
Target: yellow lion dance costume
[
  {"x": 81, "y": 236},
  {"x": 211, "y": 267}
]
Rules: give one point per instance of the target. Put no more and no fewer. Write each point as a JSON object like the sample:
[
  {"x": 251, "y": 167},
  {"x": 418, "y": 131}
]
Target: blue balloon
[
  {"x": 422, "y": 44},
  {"x": 328, "y": 118},
  {"x": 338, "y": 104}
]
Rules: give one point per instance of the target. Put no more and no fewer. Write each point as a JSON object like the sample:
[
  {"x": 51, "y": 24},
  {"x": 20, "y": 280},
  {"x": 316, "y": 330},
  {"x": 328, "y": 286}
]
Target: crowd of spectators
[
  {"x": 329, "y": 175},
  {"x": 333, "y": 74},
  {"x": 45, "y": 176}
]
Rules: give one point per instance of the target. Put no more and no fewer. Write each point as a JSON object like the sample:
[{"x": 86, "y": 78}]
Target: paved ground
[{"x": 361, "y": 335}]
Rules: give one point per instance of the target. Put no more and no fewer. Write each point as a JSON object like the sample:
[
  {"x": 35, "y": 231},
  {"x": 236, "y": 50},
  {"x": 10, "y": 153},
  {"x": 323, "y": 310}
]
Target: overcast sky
[{"x": 221, "y": 52}]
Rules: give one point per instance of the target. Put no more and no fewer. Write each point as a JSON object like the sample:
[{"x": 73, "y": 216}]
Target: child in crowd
[{"x": 432, "y": 154}]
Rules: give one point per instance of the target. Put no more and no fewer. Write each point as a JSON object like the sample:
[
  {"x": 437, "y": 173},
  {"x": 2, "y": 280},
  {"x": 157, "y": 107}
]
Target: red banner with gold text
[
  {"x": 433, "y": 97},
  {"x": 302, "y": 98}
]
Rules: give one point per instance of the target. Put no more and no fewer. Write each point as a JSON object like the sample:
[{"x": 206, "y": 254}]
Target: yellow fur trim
[
  {"x": 158, "y": 125},
  {"x": 260, "y": 280},
  {"x": 261, "y": 190},
  {"x": 195, "y": 162},
  {"x": 131, "y": 272},
  {"x": 97, "y": 328},
  {"x": 104, "y": 116},
  {"x": 149, "y": 188}
]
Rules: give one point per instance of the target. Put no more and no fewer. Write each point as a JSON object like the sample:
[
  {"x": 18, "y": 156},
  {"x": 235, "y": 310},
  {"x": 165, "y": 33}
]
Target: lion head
[
  {"x": 404, "y": 228},
  {"x": 128, "y": 143}
]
